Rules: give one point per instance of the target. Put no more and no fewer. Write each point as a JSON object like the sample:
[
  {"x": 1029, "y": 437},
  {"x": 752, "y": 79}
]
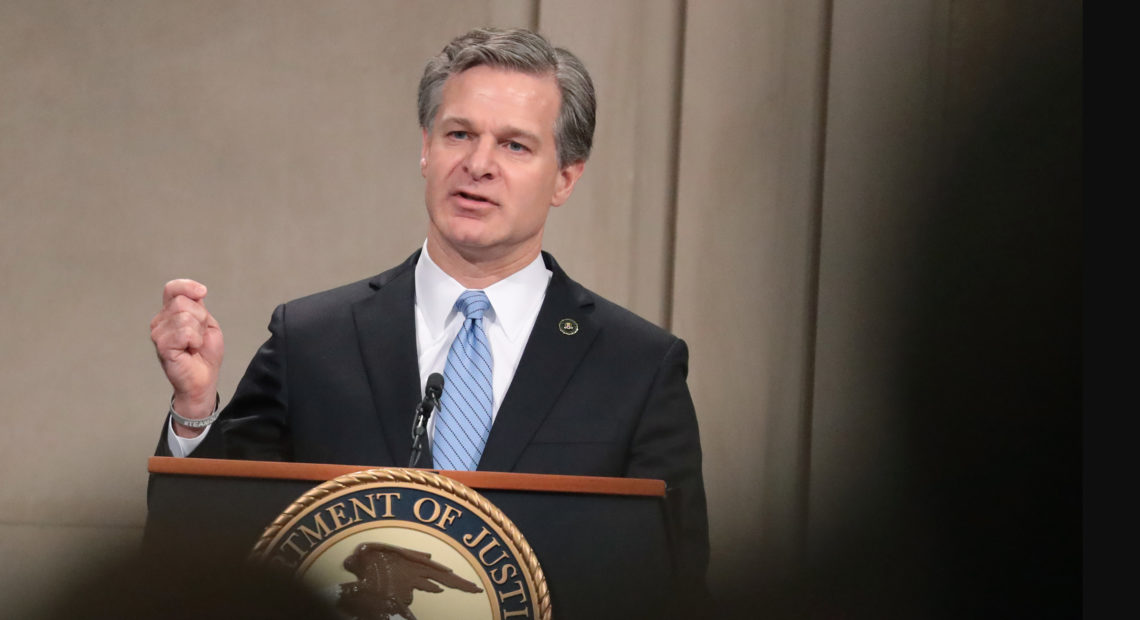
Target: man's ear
[
  {"x": 424, "y": 153},
  {"x": 564, "y": 185}
]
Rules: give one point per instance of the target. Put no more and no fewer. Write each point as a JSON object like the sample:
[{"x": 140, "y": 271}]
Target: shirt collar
[{"x": 513, "y": 299}]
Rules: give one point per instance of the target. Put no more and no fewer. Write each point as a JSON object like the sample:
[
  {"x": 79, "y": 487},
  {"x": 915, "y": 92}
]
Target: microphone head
[{"x": 434, "y": 385}]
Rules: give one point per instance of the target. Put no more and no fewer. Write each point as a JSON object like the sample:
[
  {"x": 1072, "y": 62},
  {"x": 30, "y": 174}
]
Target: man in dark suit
[{"x": 542, "y": 375}]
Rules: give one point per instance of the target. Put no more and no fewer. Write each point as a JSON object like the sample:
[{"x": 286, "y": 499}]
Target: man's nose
[{"x": 480, "y": 163}]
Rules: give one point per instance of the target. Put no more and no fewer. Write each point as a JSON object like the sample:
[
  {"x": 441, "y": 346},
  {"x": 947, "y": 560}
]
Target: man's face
[{"x": 491, "y": 164}]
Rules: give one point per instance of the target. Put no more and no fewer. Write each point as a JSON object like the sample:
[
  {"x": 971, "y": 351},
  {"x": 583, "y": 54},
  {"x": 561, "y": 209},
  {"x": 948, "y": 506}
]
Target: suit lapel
[
  {"x": 547, "y": 363},
  {"x": 386, "y": 332}
]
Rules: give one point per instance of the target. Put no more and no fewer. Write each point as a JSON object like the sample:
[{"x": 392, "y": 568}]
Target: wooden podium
[{"x": 603, "y": 543}]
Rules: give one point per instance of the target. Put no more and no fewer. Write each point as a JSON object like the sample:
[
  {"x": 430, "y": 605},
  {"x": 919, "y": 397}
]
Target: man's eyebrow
[
  {"x": 455, "y": 120},
  {"x": 515, "y": 132}
]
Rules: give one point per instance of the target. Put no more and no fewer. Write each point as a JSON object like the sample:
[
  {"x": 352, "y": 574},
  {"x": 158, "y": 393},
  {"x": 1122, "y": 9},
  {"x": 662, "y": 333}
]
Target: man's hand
[{"x": 189, "y": 345}]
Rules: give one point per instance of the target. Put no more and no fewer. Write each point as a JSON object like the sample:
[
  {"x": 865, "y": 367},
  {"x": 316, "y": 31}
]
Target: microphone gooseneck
[{"x": 432, "y": 391}]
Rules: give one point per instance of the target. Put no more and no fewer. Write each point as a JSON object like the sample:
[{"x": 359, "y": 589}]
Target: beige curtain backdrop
[{"x": 270, "y": 149}]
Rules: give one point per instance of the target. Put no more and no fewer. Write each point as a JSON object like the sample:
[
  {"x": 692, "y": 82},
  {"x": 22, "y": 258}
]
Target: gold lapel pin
[{"x": 568, "y": 326}]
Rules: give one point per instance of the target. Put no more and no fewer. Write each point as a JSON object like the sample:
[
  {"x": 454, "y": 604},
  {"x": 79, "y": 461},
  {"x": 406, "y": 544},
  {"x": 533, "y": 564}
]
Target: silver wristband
[{"x": 201, "y": 423}]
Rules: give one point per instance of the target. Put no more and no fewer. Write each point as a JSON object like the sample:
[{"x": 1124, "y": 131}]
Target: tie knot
[{"x": 472, "y": 304}]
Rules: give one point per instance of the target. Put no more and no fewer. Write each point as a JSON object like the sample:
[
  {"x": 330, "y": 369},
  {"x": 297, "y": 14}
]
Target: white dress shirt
[{"x": 515, "y": 302}]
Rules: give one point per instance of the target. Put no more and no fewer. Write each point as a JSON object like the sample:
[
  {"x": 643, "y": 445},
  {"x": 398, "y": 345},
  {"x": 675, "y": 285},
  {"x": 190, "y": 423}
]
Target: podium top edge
[{"x": 478, "y": 480}]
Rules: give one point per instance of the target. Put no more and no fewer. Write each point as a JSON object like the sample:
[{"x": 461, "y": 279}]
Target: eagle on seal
[{"x": 387, "y": 575}]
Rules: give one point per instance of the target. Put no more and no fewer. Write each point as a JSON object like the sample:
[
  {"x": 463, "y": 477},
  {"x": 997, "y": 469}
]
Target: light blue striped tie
[{"x": 465, "y": 407}]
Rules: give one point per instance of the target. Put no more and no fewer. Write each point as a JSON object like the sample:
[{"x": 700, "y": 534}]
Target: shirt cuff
[{"x": 182, "y": 446}]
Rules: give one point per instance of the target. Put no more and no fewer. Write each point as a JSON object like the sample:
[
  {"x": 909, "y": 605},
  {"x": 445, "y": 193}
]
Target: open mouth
[{"x": 474, "y": 197}]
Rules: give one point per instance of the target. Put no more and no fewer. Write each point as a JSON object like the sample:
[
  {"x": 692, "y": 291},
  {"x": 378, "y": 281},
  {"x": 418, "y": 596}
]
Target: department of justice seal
[{"x": 384, "y": 544}]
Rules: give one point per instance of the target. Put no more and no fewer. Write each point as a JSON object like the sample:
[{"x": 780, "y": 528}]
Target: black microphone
[{"x": 430, "y": 403}]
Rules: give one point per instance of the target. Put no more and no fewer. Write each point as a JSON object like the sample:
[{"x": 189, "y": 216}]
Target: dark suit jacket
[{"x": 338, "y": 382}]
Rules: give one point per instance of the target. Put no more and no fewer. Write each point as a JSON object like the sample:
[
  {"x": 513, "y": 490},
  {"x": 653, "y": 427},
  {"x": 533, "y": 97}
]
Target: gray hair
[{"x": 528, "y": 52}]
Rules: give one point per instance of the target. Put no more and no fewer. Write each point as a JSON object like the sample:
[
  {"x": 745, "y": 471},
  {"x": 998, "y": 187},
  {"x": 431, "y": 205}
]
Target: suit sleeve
[
  {"x": 255, "y": 423},
  {"x": 666, "y": 445}
]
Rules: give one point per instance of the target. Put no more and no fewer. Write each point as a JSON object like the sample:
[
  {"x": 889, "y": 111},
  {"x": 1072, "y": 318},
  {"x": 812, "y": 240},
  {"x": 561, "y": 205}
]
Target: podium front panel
[{"x": 605, "y": 556}]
